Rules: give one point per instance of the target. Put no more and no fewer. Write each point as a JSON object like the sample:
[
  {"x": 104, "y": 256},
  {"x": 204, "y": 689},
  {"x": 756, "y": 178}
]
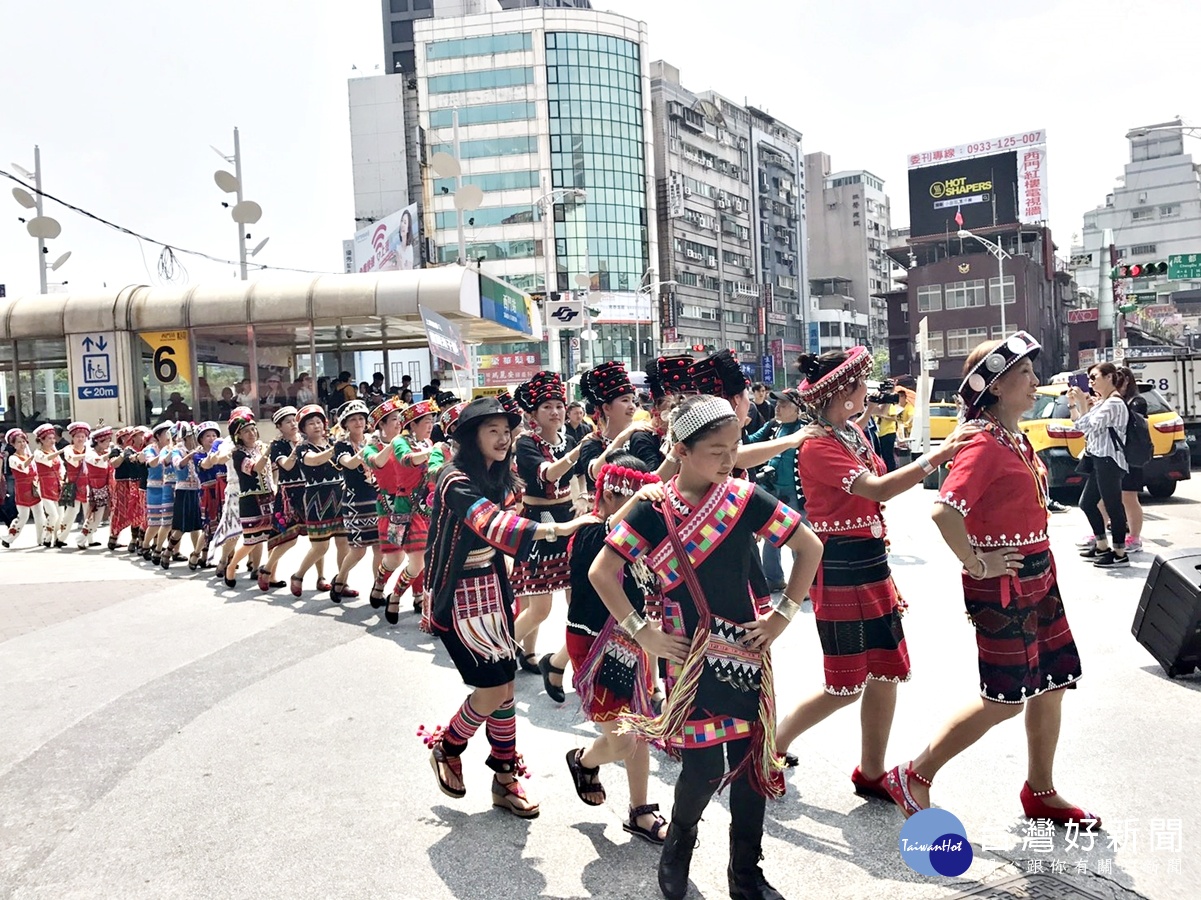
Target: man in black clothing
[
  {"x": 762, "y": 401},
  {"x": 577, "y": 426}
]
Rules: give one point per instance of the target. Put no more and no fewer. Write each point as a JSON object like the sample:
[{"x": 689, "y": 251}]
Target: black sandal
[
  {"x": 585, "y": 778},
  {"x": 335, "y": 591},
  {"x": 524, "y": 660},
  {"x": 657, "y": 834},
  {"x": 547, "y": 668}
]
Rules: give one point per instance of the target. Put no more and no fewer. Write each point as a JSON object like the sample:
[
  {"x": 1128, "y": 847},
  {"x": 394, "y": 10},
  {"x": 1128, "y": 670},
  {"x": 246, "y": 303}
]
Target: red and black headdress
[
  {"x": 606, "y": 382},
  {"x": 718, "y": 375},
  {"x": 543, "y": 387},
  {"x": 510, "y": 406},
  {"x": 669, "y": 375}
]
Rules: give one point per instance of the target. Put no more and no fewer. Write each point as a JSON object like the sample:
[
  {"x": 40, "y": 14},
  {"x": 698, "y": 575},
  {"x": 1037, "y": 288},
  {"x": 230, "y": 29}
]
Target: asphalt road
[{"x": 162, "y": 737}]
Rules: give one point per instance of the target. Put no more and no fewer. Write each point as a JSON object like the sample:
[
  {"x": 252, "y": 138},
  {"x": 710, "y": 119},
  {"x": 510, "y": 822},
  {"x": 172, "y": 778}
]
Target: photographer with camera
[{"x": 884, "y": 404}]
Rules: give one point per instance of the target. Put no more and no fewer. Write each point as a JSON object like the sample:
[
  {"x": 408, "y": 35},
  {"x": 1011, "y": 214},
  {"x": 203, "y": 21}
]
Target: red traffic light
[
  {"x": 1134, "y": 271},
  {"x": 698, "y": 348}
]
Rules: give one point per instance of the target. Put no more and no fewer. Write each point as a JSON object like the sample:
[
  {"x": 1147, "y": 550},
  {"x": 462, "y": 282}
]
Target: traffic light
[{"x": 1139, "y": 270}]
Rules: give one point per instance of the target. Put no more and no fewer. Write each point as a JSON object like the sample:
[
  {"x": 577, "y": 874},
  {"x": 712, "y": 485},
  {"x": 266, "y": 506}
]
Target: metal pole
[
  {"x": 241, "y": 227},
  {"x": 546, "y": 205},
  {"x": 37, "y": 183},
  {"x": 454, "y": 113},
  {"x": 1001, "y": 279}
]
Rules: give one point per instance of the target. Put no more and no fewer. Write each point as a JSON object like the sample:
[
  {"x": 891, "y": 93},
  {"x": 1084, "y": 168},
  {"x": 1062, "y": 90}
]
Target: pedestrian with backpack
[
  {"x": 1139, "y": 451},
  {"x": 1105, "y": 429}
]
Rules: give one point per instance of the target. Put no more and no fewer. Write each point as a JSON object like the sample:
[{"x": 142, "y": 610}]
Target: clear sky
[{"x": 126, "y": 96}]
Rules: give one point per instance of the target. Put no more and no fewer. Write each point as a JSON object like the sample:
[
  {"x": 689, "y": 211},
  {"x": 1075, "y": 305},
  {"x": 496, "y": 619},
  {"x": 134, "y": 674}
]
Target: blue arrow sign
[
  {"x": 101, "y": 343},
  {"x": 88, "y": 343},
  {"x": 99, "y": 392}
]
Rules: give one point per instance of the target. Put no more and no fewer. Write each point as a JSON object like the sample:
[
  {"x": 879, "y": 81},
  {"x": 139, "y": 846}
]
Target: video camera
[{"x": 883, "y": 392}]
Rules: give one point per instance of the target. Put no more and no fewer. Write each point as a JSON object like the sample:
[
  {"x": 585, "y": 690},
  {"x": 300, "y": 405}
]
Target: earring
[{"x": 848, "y": 405}]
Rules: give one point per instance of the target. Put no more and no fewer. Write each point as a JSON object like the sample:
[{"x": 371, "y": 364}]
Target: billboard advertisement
[
  {"x": 507, "y": 368},
  {"x": 968, "y": 193},
  {"x": 952, "y": 178},
  {"x": 393, "y": 243}
]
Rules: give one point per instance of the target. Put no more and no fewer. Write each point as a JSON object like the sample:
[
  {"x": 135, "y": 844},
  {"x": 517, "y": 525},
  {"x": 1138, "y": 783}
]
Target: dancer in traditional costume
[
  {"x": 289, "y": 496},
  {"x": 139, "y": 435},
  {"x": 470, "y": 603},
  {"x": 49, "y": 465},
  {"x": 229, "y": 523},
  {"x": 124, "y": 487},
  {"x": 160, "y": 492},
  {"x": 360, "y": 520},
  {"x": 322, "y": 495},
  {"x": 212, "y": 489},
  {"x": 855, "y": 602},
  {"x": 608, "y": 388},
  {"x": 546, "y": 458},
  {"x": 25, "y": 485},
  {"x": 250, "y": 461},
  {"x": 406, "y": 488},
  {"x": 97, "y": 472},
  {"x": 612, "y": 674},
  {"x": 720, "y": 701},
  {"x": 75, "y": 480},
  {"x": 384, "y": 422},
  {"x": 185, "y": 512},
  {"x": 992, "y": 513}
]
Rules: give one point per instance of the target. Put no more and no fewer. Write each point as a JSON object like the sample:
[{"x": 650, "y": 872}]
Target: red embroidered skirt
[
  {"x": 858, "y": 613},
  {"x": 126, "y": 499},
  {"x": 1024, "y": 642},
  {"x": 615, "y": 674}
]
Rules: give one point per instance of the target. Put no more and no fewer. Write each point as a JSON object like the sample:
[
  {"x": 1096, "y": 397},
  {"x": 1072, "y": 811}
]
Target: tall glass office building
[{"x": 548, "y": 101}]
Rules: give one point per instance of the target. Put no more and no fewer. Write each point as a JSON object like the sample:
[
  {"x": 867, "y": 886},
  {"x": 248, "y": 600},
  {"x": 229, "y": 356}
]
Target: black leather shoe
[
  {"x": 554, "y": 691},
  {"x": 675, "y": 860}
]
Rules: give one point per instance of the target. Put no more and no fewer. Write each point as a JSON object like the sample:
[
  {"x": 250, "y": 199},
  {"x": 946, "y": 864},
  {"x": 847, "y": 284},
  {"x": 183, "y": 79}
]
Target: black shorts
[{"x": 1133, "y": 480}]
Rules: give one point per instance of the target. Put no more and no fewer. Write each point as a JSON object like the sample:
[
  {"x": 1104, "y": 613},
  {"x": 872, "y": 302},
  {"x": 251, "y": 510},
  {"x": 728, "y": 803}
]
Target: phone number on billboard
[{"x": 1028, "y": 139}]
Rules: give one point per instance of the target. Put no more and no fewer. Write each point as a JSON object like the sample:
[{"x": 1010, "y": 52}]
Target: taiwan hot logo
[{"x": 933, "y": 842}]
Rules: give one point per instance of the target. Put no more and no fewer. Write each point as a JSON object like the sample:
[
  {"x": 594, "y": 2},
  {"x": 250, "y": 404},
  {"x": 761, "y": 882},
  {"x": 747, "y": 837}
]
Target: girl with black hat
[
  {"x": 249, "y": 460},
  {"x": 720, "y": 702},
  {"x": 992, "y": 513},
  {"x": 546, "y": 458},
  {"x": 322, "y": 495},
  {"x": 855, "y": 602},
  {"x": 470, "y": 601},
  {"x": 359, "y": 518},
  {"x": 288, "y": 506}
]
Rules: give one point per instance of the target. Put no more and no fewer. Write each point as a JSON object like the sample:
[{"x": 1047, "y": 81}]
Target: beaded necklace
[
  {"x": 555, "y": 449},
  {"x": 1016, "y": 442},
  {"x": 850, "y": 438}
]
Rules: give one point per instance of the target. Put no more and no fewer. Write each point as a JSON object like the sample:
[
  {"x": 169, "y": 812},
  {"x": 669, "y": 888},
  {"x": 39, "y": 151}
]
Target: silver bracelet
[
  {"x": 786, "y": 607},
  {"x": 927, "y": 466},
  {"x": 633, "y": 623}
]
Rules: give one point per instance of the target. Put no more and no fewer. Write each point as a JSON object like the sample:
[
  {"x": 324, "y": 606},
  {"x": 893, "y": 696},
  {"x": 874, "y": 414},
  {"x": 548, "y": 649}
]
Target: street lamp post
[
  {"x": 41, "y": 226},
  {"x": 647, "y": 289},
  {"x": 1001, "y": 255},
  {"x": 244, "y": 212},
  {"x": 545, "y": 206}
]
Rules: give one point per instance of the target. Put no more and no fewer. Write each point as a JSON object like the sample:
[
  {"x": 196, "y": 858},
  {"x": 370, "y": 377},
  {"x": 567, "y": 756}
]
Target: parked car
[{"x": 1055, "y": 438}]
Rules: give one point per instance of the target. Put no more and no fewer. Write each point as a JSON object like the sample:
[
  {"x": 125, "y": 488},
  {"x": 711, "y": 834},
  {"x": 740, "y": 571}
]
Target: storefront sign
[
  {"x": 1076, "y": 316},
  {"x": 510, "y": 368},
  {"x": 170, "y": 355}
]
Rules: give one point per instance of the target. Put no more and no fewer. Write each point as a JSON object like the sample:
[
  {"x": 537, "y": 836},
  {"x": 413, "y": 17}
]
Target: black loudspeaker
[{"x": 1168, "y": 620}]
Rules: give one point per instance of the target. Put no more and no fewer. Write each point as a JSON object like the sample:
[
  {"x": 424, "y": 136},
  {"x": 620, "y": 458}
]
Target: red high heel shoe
[
  {"x": 896, "y": 784},
  {"x": 870, "y": 787},
  {"x": 1035, "y": 807}
]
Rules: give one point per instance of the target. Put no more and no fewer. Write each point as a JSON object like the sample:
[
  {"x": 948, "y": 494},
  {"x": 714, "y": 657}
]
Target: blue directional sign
[
  {"x": 100, "y": 392},
  {"x": 768, "y": 364},
  {"x": 93, "y": 369}
]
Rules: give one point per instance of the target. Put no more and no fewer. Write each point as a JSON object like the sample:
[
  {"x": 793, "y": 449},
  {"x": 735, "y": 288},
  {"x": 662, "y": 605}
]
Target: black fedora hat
[{"x": 480, "y": 409}]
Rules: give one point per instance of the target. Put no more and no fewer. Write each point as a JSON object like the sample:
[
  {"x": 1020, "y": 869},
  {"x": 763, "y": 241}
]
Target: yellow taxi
[
  {"x": 943, "y": 419},
  {"x": 1055, "y": 438}
]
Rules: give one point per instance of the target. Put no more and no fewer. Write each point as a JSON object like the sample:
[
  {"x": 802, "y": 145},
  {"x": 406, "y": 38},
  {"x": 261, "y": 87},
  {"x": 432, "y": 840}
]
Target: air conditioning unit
[
  {"x": 692, "y": 254},
  {"x": 711, "y": 261}
]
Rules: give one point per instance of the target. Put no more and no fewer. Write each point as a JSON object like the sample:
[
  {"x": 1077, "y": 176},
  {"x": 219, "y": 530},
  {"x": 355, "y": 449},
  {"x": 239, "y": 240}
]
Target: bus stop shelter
[{"x": 142, "y": 354}]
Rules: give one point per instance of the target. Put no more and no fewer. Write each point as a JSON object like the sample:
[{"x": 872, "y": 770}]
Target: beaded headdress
[
  {"x": 43, "y": 430},
  {"x": 997, "y": 362},
  {"x": 415, "y": 411},
  {"x": 718, "y": 375},
  {"x": 854, "y": 367},
  {"x": 383, "y": 410},
  {"x": 543, "y": 387},
  {"x": 240, "y": 418},
  {"x": 352, "y": 408},
  {"x": 622, "y": 481},
  {"x": 606, "y": 383},
  {"x": 449, "y": 419},
  {"x": 669, "y": 375},
  {"x": 687, "y": 422}
]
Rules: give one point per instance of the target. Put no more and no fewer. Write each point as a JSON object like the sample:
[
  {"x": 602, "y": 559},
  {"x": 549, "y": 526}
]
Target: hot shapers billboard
[{"x": 982, "y": 192}]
